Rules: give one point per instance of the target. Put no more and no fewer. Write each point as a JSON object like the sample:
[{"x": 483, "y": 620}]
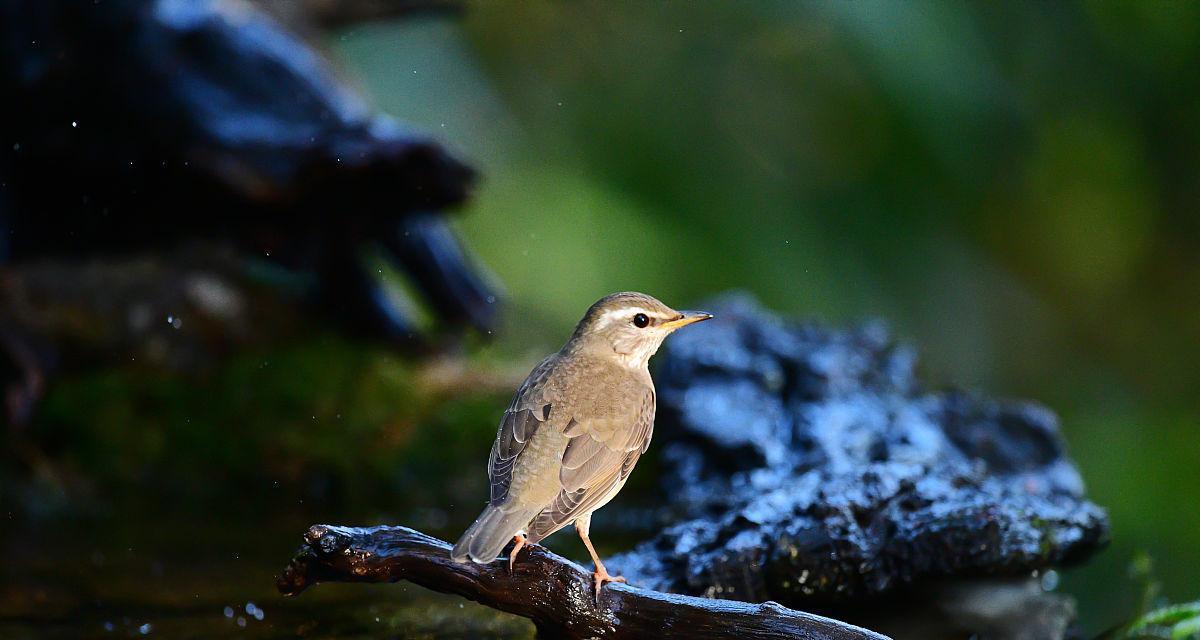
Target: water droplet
[
  {"x": 491, "y": 299},
  {"x": 145, "y": 629},
  {"x": 241, "y": 622},
  {"x": 228, "y": 612},
  {"x": 74, "y": 124},
  {"x": 253, "y": 610}
]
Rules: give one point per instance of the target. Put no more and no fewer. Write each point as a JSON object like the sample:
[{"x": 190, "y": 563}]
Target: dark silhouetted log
[
  {"x": 555, "y": 593},
  {"x": 224, "y": 128}
]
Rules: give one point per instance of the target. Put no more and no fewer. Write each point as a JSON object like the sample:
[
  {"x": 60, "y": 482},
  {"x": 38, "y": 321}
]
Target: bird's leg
[
  {"x": 512, "y": 557},
  {"x": 600, "y": 575}
]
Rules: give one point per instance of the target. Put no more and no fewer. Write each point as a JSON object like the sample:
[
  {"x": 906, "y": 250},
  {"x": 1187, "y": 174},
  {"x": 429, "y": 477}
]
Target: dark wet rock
[
  {"x": 225, "y": 126},
  {"x": 814, "y": 470},
  {"x": 138, "y": 129}
]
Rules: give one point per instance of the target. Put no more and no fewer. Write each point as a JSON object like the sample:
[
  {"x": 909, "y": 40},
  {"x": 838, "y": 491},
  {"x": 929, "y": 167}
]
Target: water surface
[{"x": 204, "y": 576}]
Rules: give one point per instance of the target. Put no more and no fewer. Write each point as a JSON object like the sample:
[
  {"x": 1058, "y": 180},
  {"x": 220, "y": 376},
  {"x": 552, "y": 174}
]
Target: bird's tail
[{"x": 492, "y": 530}]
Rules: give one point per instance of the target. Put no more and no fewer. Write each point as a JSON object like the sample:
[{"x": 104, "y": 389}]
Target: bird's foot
[
  {"x": 600, "y": 577},
  {"x": 519, "y": 542}
]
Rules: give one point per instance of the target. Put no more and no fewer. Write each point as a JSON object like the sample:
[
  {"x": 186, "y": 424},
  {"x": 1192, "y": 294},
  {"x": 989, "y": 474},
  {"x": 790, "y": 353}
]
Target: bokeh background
[{"x": 1013, "y": 187}]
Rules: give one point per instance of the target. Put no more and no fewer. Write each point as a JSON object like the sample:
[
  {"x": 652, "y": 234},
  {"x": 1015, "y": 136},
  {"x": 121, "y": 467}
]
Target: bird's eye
[{"x": 641, "y": 321}]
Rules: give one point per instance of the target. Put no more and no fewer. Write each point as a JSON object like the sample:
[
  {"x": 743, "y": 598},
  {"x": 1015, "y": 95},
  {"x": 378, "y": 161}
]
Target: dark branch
[{"x": 555, "y": 593}]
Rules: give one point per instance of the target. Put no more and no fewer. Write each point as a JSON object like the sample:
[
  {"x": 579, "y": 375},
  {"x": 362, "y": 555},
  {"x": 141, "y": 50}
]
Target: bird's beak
[{"x": 685, "y": 318}]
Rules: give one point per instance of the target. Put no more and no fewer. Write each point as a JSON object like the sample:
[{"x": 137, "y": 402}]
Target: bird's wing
[
  {"x": 529, "y": 409},
  {"x": 598, "y": 458}
]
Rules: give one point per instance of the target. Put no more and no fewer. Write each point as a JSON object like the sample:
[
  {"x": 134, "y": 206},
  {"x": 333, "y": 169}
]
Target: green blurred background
[{"x": 1013, "y": 186}]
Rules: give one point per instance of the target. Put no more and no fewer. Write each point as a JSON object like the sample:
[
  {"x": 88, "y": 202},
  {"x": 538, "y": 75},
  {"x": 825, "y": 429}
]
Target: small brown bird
[{"x": 574, "y": 430}]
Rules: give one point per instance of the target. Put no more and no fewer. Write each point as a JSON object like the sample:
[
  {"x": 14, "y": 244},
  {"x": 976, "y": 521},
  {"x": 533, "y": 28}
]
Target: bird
[{"x": 574, "y": 431}]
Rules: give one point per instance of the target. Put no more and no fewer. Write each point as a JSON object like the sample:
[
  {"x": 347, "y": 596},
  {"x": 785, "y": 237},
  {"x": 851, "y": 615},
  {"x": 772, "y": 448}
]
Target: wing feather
[
  {"x": 530, "y": 407},
  {"x": 605, "y": 441},
  {"x": 595, "y": 465}
]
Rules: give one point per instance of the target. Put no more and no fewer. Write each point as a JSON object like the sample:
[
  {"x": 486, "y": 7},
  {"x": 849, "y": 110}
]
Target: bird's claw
[
  {"x": 600, "y": 577},
  {"x": 519, "y": 542}
]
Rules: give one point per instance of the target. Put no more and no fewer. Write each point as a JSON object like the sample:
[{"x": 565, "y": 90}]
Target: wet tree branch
[{"x": 555, "y": 593}]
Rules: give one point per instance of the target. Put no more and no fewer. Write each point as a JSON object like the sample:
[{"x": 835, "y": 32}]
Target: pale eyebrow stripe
[{"x": 625, "y": 312}]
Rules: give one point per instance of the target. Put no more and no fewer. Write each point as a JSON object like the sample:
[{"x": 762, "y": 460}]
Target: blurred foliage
[
  {"x": 1156, "y": 619},
  {"x": 1174, "y": 622},
  {"x": 1012, "y": 185}
]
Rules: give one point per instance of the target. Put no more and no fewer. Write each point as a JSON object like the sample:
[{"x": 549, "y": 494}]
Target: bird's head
[{"x": 630, "y": 326}]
